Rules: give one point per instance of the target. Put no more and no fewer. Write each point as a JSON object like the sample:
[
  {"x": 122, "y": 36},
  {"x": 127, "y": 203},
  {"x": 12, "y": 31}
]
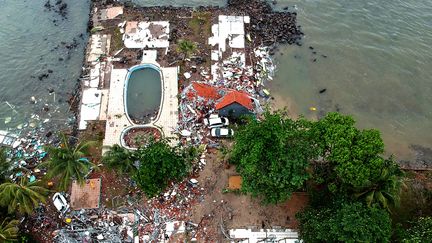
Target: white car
[
  {"x": 222, "y": 132},
  {"x": 60, "y": 203},
  {"x": 216, "y": 121}
]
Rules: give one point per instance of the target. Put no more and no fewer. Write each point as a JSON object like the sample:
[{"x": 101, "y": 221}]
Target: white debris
[
  {"x": 90, "y": 106},
  {"x": 153, "y": 34},
  {"x": 187, "y": 75},
  {"x": 231, "y": 28},
  {"x": 255, "y": 235},
  {"x": 185, "y": 133}
]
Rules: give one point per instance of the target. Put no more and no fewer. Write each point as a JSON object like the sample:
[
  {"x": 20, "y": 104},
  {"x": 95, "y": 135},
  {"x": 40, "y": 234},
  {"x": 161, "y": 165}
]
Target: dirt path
[{"x": 235, "y": 210}]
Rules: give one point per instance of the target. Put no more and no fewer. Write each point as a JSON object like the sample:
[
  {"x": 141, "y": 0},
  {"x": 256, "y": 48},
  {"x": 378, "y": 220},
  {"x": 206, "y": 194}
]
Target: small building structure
[
  {"x": 235, "y": 182},
  {"x": 235, "y": 104},
  {"x": 86, "y": 196}
]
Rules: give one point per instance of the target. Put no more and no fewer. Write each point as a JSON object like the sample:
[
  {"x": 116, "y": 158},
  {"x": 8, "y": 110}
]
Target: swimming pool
[{"x": 143, "y": 93}]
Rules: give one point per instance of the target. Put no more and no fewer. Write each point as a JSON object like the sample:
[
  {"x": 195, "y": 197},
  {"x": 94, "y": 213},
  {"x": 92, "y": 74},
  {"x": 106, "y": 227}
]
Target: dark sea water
[
  {"x": 378, "y": 68},
  {"x": 33, "y": 42},
  {"x": 378, "y": 63}
]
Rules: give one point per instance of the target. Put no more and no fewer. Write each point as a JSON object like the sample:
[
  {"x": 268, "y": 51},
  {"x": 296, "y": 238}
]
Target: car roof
[{"x": 215, "y": 120}]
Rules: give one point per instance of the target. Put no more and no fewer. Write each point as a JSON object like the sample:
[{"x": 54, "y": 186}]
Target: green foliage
[
  {"x": 421, "y": 231},
  {"x": 5, "y": 164},
  {"x": 22, "y": 197},
  {"x": 68, "y": 162},
  {"x": 272, "y": 156},
  {"x": 186, "y": 47},
  {"x": 385, "y": 190},
  {"x": 8, "y": 230},
  {"x": 354, "y": 154},
  {"x": 120, "y": 159},
  {"x": 159, "y": 164},
  {"x": 346, "y": 222}
]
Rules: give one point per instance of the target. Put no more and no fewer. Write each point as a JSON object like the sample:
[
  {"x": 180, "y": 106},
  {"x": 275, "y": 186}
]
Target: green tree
[
  {"x": 120, "y": 159},
  {"x": 353, "y": 155},
  {"x": 345, "y": 222},
  {"x": 272, "y": 155},
  {"x": 22, "y": 197},
  {"x": 420, "y": 231},
  {"x": 5, "y": 164},
  {"x": 68, "y": 162},
  {"x": 159, "y": 164},
  {"x": 385, "y": 190},
  {"x": 186, "y": 47},
  {"x": 8, "y": 230}
]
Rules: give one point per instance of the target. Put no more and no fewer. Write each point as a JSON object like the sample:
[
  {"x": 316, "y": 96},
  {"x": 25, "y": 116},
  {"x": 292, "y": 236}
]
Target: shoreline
[{"x": 261, "y": 43}]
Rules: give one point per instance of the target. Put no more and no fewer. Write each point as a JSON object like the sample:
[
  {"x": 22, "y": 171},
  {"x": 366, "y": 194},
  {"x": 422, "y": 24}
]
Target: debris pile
[
  {"x": 268, "y": 27},
  {"x": 103, "y": 225},
  {"x": 235, "y": 74},
  {"x": 168, "y": 212},
  {"x": 27, "y": 153},
  {"x": 264, "y": 69}
]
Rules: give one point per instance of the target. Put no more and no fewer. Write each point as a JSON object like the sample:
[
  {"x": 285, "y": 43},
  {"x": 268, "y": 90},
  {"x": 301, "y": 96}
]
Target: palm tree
[
  {"x": 385, "y": 190},
  {"x": 4, "y": 164},
  {"x": 9, "y": 230},
  {"x": 68, "y": 162},
  {"x": 186, "y": 47},
  {"x": 120, "y": 159},
  {"x": 22, "y": 197}
]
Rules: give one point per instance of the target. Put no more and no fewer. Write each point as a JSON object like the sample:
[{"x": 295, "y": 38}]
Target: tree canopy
[
  {"x": 8, "y": 230},
  {"x": 353, "y": 154},
  {"x": 272, "y": 155},
  {"x": 120, "y": 159},
  {"x": 353, "y": 163},
  {"x": 345, "y": 222},
  {"x": 5, "y": 164},
  {"x": 68, "y": 162},
  {"x": 23, "y": 196},
  {"x": 383, "y": 191},
  {"x": 159, "y": 164},
  {"x": 420, "y": 231},
  {"x": 186, "y": 47}
]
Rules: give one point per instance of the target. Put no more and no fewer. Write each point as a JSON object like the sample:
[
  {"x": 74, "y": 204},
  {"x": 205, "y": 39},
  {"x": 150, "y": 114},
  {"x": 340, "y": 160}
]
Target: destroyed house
[{"x": 235, "y": 104}]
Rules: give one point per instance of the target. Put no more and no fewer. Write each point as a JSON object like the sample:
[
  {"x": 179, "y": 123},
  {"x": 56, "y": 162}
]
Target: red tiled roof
[
  {"x": 235, "y": 96},
  {"x": 206, "y": 91}
]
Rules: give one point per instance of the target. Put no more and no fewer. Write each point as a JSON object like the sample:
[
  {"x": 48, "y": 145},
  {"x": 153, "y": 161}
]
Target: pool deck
[
  {"x": 116, "y": 118},
  {"x": 168, "y": 117}
]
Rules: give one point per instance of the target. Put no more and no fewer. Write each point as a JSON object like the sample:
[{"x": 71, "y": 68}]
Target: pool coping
[{"x": 152, "y": 122}]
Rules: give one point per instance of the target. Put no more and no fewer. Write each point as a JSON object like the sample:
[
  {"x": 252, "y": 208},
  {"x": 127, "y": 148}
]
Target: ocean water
[
  {"x": 378, "y": 67},
  {"x": 33, "y": 42},
  {"x": 374, "y": 58}
]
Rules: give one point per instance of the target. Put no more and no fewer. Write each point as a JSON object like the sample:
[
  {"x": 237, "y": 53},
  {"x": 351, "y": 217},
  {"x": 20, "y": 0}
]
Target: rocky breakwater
[{"x": 267, "y": 26}]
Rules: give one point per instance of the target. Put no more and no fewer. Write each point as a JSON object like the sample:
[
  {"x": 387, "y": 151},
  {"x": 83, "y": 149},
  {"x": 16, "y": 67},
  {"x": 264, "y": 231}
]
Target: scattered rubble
[{"x": 238, "y": 60}]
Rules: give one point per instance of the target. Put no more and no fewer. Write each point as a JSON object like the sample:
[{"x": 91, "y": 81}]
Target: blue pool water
[{"x": 143, "y": 92}]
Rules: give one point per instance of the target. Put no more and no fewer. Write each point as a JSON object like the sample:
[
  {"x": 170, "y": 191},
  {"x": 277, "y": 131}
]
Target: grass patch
[
  {"x": 116, "y": 41},
  {"x": 201, "y": 23}
]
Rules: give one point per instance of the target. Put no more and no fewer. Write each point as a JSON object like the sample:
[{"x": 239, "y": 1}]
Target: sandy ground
[{"x": 235, "y": 210}]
